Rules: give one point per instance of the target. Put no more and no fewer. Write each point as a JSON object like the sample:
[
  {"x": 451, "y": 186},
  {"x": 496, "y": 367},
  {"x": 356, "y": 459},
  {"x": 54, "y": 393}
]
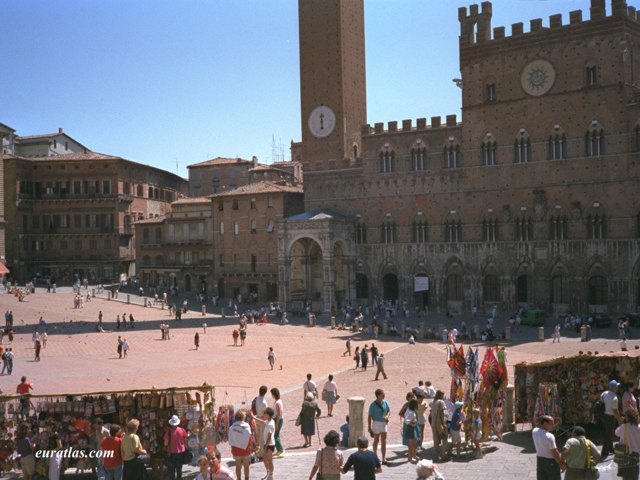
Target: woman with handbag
[
  {"x": 308, "y": 414},
  {"x": 134, "y": 468},
  {"x": 579, "y": 456},
  {"x": 627, "y": 458},
  {"x": 330, "y": 395},
  {"x": 329, "y": 459}
]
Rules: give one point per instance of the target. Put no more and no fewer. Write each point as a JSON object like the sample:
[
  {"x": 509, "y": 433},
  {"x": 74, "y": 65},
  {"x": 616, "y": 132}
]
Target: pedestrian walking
[
  {"x": 348, "y": 345},
  {"x": 364, "y": 357},
  {"x": 44, "y": 339},
  {"x": 37, "y": 350},
  {"x": 271, "y": 356},
  {"x": 196, "y": 340},
  {"x": 377, "y": 420},
  {"x": 374, "y": 354},
  {"x": 547, "y": 456},
  {"x": 611, "y": 415},
  {"x": 118, "y": 322},
  {"x": 579, "y": 455},
  {"x": 278, "y": 408},
  {"x": 356, "y": 357},
  {"x": 365, "y": 463},
  {"x": 131, "y": 320},
  {"x": 380, "y": 367},
  {"x": 119, "y": 347},
  {"x": 125, "y": 347},
  {"x": 330, "y": 395}
]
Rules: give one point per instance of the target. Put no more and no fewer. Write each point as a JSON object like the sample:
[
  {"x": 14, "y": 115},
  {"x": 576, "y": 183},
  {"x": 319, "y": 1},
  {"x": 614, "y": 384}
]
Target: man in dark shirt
[{"x": 365, "y": 463}]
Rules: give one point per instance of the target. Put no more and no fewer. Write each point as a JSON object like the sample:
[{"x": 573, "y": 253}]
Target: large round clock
[
  {"x": 537, "y": 77},
  {"x": 322, "y": 121}
]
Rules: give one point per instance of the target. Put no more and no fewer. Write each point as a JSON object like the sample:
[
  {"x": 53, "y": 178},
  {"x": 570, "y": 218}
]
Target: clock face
[
  {"x": 537, "y": 78},
  {"x": 322, "y": 121}
]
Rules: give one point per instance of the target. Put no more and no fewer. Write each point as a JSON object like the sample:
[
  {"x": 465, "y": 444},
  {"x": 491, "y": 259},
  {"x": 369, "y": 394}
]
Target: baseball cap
[{"x": 614, "y": 384}]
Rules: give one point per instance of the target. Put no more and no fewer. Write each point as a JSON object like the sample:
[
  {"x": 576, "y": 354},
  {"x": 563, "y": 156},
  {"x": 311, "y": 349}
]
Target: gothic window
[
  {"x": 451, "y": 156},
  {"x": 557, "y": 147},
  {"x": 491, "y": 284},
  {"x": 158, "y": 234},
  {"x": 388, "y": 231},
  {"x": 524, "y": 229},
  {"x": 145, "y": 236},
  {"x": 596, "y": 227},
  {"x": 361, "y": 233},
  {"x": 597, "y": 290},
  {"x": 490, "y": 230},
  {"x": 558, "y": 228},
  {"x": 420, "y": 231},
  {"x": 522, "y": 150},
  {"x": 594, "y": 142},
  {"x": 454, "y": 287},
  {"x": 453, "y": 231},
  {"x": 387, "y": 161},
  {"x": 559, "y": 293},
  {"x": 489, "y": 153},
  {"x": 418, "y": 159}
]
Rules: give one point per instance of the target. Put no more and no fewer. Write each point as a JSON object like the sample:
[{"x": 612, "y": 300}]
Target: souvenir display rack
[
  {"x": 73, "y": 415},
  {"x": 580, "y": 381}
]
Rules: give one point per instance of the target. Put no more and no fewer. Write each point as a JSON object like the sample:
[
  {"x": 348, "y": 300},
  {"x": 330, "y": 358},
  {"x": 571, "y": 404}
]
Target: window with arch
[
  {"x": 559, "y": 292},
  {"x": 591, "y": 75},
  {"x": 451, "y": 156},
  {"x": 236, "y": 228},
  {"x": 522, "y": 150},
  {"x": 491, "y": 288},
  {"x": 418, "y": 159},
  {"x": 453, "y": 231},
  {"x": 597, "y": 290},
  {"x": 158, "y": 233},
  {"x": 254, "y": 227},
  {"x": 490, "y": 92},
  {"x": 419, "y": 230},
  {"x": 557, "y": 147},
  {"x": 523, "y": 229},
  {"x": 140, "y": 191},
  {"x": 454, "y": 286},
  {"x": 596, "y": 227},
  {"x": 388, "y": 231},
  {"x": 489, "y": 153},
  {"x": 490, "y": 230},
  {"x": 145, "y": 236},
  {"x": 558, "y": 228},
  {"x": 594, "y": 142},
  {"x": 387, "y": 161},
  {"x": 361, "y": 233}
]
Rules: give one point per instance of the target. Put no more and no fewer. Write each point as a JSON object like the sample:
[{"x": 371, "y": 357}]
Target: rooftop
[
  {"x": 220, "y": 161},
  {"x": 260, "y": 187}
]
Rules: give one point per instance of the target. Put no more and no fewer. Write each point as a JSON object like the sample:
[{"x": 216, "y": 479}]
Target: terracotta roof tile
[
  {"x": 159, "y": 219},
  {"x": 182, "y": 201},
  {"x": 260, "y": 187},
  {"x": 221, "y": 161}
]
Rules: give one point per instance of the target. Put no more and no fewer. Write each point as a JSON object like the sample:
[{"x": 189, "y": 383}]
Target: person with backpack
[{"x": 610, "y": 415}]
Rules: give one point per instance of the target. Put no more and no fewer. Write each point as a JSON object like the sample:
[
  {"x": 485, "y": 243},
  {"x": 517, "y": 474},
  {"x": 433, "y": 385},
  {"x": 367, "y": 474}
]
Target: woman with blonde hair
[
  {"x": 134, "y": 468},
  {"x": 629, "y": 434}
]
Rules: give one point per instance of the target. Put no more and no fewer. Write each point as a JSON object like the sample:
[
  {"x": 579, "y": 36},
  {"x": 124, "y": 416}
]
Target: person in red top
[
  {"x": 241, "y": 441},
  {"x": 23, "y": 389},
  {"x": 112, "y": 460},
  {"x": 175, "y": 443}
]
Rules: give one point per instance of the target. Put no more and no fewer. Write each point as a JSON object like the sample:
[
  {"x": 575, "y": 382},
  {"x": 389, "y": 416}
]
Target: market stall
[
  {"x": 573, "y": 385},
  {"x": 72, "y": 416}
]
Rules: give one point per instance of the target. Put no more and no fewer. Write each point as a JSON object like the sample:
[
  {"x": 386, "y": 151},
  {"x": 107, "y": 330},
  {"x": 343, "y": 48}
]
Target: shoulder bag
[
  {"x": 591, "y": 470},
  {"x": 621, "y": 454},
  {"x": 319, "y": 475}
]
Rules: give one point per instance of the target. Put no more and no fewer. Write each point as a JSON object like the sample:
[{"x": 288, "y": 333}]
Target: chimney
[{"x": 60, "y": 130}]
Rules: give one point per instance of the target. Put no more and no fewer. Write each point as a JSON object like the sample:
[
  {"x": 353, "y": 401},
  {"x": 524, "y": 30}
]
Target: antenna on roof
[
  {"x": 176, "y": 165},
  {"x": 277, "y": 150}
]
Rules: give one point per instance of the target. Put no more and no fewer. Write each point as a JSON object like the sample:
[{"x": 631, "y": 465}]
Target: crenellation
[
  {"x": 452, "y": 120},
  {"x": 631, "y": 12},
  {"x": 406, "y": 125},
  {"x": 392, "y": 126},
  {"x": 474, "y": 10},
  {"x": 555, "y": 21},
  {"x": 517, "y": 29},
  {"x": 535, "y": 25},
  {"x": 378, "y": 127},
  {"x": 421, "y": 123},
  {"x": 619, "y": 8},
  {"x": 597, "y": 10},
  {"x": 365, "y": 129},
  {"x": 498, "y": 33},
  {"x": 575, "y": 17},
  {"x": 435, "y": 122}
]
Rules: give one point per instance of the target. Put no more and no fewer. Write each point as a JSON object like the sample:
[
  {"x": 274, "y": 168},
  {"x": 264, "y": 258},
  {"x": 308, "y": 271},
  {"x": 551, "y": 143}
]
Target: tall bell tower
[{"x": 332, "y": 81}]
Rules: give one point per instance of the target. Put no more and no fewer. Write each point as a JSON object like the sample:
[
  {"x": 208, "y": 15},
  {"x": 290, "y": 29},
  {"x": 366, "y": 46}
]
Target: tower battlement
[
  {"x": 475, "y": 24},
  {"x": 407, "y": 125}
]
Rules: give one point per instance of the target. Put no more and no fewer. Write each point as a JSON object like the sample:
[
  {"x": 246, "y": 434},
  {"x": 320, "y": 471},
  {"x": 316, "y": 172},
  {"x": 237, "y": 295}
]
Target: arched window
[
  {"x": 453, "y": 231},
  {"x": 488, "y": 153},
  {"x": 557, "y": 146},
  {"x": 523, "y": 229},
  {"x": 594, "y": 142},
  {"x": 388, "y": 231},
  {"x": 454, "y": 288},
  {"x": 420, "y": 229},
  {"x": 490, "y": 230},
  {"x": 140, "y": 191},
  {"x": 387, "y": 161},
  {"x": 158, "y": 235},
  {"x": 597, "y": 290},
  {"x": 559, "y": 293},
  {"x": 451, "y": 155},
  {"x": 361, "y": 233},
  {"x": 418, "y": 159},
  {"x": 491, "y": 288},
  {"x": 522, "y": 149},
  {"x": 596, "y": 227},
  {"x": 558, "y": 228},
  {"x": 254, "y": 227},
  {"x": 145, "y": 236}
]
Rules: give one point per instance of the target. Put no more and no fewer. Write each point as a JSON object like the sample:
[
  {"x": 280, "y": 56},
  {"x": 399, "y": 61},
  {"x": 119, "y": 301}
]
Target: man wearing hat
[
  {"x": 610, "y": 400},
  {"x": 175, "y": 444},
  {"x": 547, "y": 455},
  {"x": 456, "y": 425}
]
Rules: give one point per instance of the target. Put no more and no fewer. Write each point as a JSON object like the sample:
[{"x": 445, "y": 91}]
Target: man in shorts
[{"x": 379, "y": 413}]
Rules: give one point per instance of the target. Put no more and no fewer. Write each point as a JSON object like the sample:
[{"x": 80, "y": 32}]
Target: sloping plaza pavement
[{"x": 77, "y": 358}]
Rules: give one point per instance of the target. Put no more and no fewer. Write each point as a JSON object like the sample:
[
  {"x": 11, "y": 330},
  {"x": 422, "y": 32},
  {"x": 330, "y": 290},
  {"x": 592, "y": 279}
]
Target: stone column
[
  {"x": 222, "y": 313},
  {"x": 507, "y": 333},
  {"x": 333, "y": 322},
  {"x": 403, "y": 328},
  {"x": 356, "y": 419},
  {"x": 204, "y": 310},
  {"x": 128, "y": 299},
  {"x": 509, "y": 424}
]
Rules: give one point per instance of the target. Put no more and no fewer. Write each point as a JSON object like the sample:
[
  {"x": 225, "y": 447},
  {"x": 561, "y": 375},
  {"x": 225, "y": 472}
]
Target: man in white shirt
[
  {"x": 310, "y": 387},
  {"x": 611, "y": 414},
  {"x": 547, "y": 455}
]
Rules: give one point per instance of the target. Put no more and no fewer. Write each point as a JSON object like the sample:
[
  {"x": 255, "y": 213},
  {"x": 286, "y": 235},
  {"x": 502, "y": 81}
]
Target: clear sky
[{"x": 166, "y": 82}]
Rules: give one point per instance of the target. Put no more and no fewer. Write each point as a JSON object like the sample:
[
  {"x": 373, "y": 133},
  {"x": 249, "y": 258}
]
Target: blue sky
[{"x": 177, "y": 82}]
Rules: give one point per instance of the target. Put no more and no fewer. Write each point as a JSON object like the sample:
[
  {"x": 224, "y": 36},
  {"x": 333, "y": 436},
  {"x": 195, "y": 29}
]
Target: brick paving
[{"x": 79, "y": 359}]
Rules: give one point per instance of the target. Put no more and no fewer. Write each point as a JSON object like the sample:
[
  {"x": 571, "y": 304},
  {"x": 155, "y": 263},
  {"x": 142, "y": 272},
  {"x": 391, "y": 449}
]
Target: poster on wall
[{"x": 421, "y": 284}]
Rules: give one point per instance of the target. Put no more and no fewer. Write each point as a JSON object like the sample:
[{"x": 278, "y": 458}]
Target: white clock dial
[
  {"x": 322, "y": 121},
  {"x": 537, "y": 78}
]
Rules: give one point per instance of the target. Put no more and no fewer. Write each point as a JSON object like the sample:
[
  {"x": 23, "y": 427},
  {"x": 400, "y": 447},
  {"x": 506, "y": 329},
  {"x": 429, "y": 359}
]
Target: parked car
[{"x": 533, "y": 317}]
